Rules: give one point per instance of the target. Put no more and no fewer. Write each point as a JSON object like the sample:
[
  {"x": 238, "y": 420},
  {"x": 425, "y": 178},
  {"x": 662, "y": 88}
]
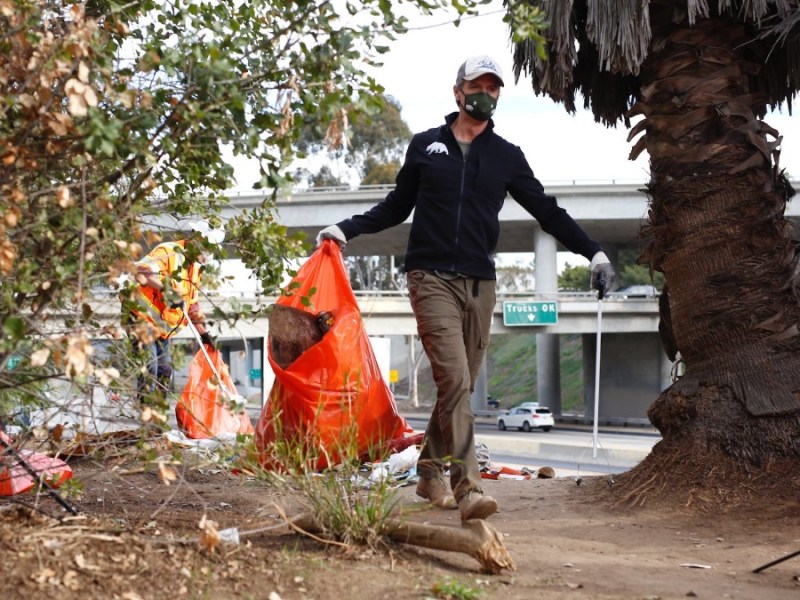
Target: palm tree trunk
[{"x": 717, "y": 231}]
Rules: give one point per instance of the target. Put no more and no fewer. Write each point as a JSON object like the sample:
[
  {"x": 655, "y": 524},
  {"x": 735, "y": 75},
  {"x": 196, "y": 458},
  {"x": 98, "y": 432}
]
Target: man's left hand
[{"x": 604, "y": 278}]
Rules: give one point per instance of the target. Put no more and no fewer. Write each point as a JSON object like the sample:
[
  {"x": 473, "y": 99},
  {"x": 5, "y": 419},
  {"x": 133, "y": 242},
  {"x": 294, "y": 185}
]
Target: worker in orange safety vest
[{"x": 165, "y": 298}]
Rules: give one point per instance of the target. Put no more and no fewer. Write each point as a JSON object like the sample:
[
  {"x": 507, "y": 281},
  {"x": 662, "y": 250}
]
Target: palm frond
[{"x": 597, "y": 48}]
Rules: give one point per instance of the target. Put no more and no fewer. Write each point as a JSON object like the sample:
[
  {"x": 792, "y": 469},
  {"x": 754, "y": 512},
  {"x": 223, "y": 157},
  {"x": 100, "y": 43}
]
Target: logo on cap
[
  {"x": 476, "y": 66},
  {"x": 486, "y": 63}
]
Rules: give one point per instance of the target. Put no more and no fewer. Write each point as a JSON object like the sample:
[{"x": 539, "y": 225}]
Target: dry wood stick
[{"x": 476, "y": 538}]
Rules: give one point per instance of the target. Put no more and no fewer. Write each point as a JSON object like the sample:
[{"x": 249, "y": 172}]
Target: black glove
[
  {"x": 604, "y": 278},
  {"x": 178, "y": 304},
  {"x": 209, "y": 341}
]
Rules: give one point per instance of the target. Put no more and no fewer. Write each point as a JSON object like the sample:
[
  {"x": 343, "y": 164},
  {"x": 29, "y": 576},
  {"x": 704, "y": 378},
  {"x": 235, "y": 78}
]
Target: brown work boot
[
  {"x": 474, "y": 505},
  {"x": 437, "y": 491}
]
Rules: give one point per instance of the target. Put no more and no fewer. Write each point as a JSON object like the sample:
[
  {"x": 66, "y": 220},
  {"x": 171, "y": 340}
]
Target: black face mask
[{"x": 480, "y": 106}]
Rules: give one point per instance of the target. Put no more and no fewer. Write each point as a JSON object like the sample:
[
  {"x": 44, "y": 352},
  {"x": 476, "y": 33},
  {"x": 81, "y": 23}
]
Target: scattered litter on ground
[{"x": 179, "y": 438}]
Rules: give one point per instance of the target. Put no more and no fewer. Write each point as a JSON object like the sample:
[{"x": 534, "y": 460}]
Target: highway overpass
[
  {"x": 633, "y": 367},
  {"x": 610, "y": 212}
]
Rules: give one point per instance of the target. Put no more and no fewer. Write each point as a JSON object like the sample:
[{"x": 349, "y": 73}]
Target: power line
[{"x": 457, "y": 19}]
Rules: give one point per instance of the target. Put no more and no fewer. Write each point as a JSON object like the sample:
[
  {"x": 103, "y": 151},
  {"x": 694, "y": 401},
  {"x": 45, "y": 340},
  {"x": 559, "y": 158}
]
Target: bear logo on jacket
[{"x": 437, "y": 148}]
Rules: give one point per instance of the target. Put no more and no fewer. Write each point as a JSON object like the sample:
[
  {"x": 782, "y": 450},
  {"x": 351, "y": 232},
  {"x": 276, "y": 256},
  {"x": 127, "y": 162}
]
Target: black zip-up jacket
[{"x": 457, "y": 202}]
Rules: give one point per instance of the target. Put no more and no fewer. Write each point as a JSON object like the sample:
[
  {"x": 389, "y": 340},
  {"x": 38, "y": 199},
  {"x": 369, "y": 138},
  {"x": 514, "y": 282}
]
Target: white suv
[{"x": 527, "y": 416}]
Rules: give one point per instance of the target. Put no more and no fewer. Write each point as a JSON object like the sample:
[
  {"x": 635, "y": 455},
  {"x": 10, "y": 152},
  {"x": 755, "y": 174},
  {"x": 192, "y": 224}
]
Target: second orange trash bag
[
  {"x": 202, "y": 410},
  {"x": 332, "y": 399}
]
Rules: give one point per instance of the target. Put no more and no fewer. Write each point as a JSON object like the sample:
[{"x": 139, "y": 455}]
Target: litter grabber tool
[
  {"x": 601, "y": 291},
  {"x": 228, "y": 394}
]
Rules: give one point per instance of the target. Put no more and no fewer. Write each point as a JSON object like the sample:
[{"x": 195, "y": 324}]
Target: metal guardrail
[
  {"x": 390, "y": 186},
  {"x": 501, "y": 296},
  {"x": 387, "y": 187}
]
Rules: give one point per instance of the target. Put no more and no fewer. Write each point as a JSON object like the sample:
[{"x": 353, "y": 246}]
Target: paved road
[{"x": 570, "y": 450}]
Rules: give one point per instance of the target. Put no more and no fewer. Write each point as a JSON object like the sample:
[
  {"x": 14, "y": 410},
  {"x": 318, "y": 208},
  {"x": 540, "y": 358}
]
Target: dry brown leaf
[
  {"x": 146, "y": 100},
  {"x": 64, "y": 197},
  {"x": 82, "y": 563},
  {"x": 70, "y": 580},
  {"x": 79, "y": 349},
  {"x": 16, "y": 196},
  {"x": 26, "y": 100},
  {"x": 59, "y": 125},
  {"x": 166, "y": 473},
  {"x": 127, "y": 98},
  {"x": 39, "y": 357},
  {"x": 106, "y": 375},
  {"x": 8, "y": 256},
  {"x": 209, "y": 534},
  {"x": 83, "y": 72},
  {"x": 57, "y": 433},
  {"x": 44, "y": 575},
  {"x": 12, "y": 215}
]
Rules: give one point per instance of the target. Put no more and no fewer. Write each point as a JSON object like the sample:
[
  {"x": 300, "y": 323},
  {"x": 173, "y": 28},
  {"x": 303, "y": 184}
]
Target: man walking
[{"x": 455, "y": 178}]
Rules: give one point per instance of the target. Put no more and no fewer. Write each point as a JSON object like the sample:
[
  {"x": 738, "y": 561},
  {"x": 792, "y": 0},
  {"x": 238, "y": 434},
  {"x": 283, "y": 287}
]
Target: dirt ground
[{"x": 137, "y": 538}]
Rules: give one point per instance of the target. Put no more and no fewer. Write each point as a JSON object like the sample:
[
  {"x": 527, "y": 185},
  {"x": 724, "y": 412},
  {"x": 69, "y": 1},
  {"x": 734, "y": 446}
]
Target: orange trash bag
[
  {"x": 16, "y": 479},
  {"x": 332, "y": 400},
  {"x": 205, "y": 409}
]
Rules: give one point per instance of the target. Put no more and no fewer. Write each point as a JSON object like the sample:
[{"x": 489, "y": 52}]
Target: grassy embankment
[{"x": 512, "y": 372}]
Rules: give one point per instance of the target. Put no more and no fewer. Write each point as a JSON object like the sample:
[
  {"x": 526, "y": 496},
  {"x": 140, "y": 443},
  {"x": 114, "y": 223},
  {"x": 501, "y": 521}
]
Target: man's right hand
[{"x": 334, "y": 233}]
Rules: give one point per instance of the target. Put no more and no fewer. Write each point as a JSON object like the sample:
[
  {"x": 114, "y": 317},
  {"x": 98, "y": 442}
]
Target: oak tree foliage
[{"x": 119, "y": 118}]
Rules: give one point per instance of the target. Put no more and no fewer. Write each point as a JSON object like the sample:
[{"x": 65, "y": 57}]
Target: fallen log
[{"x": 476, "y": 538}]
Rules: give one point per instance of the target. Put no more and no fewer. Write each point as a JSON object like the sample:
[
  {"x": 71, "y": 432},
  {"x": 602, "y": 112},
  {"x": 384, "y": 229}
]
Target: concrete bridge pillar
[
  {"x": 631, "y": 375},
  {"x": 481, "y": 391},
  {"x": 548, "y": 359}
]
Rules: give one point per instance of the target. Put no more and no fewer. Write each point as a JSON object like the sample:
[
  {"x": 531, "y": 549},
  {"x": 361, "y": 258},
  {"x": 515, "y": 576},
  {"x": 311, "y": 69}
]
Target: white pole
[{"x": 597, "y": 376}]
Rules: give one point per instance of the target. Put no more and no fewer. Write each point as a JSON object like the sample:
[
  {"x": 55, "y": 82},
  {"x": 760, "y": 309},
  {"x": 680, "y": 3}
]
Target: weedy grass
[
  {"x": 345, "y": 502},
  {"x": 451, "y": 589}
]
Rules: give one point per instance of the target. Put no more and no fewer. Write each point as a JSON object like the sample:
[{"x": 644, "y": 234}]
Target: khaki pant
[{"x": 453, "y": 316}]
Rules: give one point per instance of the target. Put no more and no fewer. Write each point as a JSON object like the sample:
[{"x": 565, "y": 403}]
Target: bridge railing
[
  {"x": 386, "y": 187},
  {"x": 501, "y": 296}
]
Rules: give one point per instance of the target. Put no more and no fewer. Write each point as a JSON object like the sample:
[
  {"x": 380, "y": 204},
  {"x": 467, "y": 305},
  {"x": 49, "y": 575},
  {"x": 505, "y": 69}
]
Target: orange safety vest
[{"x": 167, "y": 261}]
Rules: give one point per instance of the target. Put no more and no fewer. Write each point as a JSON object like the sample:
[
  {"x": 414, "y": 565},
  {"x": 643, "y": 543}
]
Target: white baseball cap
[{"x": 475, "y": 66}]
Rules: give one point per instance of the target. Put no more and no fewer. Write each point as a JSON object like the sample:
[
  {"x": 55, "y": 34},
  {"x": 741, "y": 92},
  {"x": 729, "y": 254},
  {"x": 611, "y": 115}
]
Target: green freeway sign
[{"x": 517, "y": 314}]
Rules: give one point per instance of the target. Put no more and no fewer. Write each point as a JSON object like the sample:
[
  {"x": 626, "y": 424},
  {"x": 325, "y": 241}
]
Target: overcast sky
[{"x": 420, "y": 71}]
